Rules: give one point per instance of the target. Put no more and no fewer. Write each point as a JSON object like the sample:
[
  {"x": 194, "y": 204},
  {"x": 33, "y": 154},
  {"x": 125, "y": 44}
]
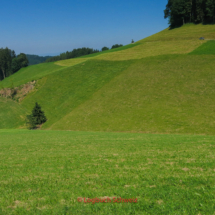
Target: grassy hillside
[
  {"x": 205, "y": 49},
  {"x": 12, "y": 114},
  {"x": 161, "y": 84},
  {"x": 30, "y": 73},
  {"x": 165, "y": 94},
  {"x": 62, "y": 92},
  {"x": 45, "y": 172}
]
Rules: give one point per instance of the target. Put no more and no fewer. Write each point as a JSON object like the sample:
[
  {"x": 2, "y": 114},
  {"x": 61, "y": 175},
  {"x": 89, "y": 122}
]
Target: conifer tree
[
  {"x": 38, "y": 114},
  {"x": 37, "y": 117}
]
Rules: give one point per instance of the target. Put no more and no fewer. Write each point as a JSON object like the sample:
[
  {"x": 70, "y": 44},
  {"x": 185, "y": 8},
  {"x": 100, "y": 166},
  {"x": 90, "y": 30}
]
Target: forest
[
  {"x": 180, "y": 12},
  {"x": 10, "y": 63}
]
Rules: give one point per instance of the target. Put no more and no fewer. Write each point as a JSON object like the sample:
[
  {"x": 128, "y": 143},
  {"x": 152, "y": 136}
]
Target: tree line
[
  {"x": 181, "y": 12},
  {"x": 74, "y": 53},
  {"x": 35, "y": 59},
  {"x": 10, "y": 63},
  {"x": 79, "y": 52}
]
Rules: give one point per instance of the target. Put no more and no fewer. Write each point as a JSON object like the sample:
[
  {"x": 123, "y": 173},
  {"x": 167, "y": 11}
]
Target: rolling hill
[{"x": 161, "y": 84}]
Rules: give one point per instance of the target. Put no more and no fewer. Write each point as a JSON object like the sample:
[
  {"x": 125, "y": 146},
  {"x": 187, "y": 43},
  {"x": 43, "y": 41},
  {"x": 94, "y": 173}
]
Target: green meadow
[
  {"x": 45, "y": 172},
  {"x": 134, "y": 122},
  {"x": 12, "y": 114},
  {"x": 207, "y": 48}
]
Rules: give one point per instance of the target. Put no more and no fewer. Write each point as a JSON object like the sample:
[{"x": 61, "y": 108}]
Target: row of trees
[
  {"x": 180, "y": 12},
  {"x": 10, "y": 63},
  {"x": 73, "y": 54},
  {"x": 113, "y": 47},
  {"x": 79, "y": 52}
]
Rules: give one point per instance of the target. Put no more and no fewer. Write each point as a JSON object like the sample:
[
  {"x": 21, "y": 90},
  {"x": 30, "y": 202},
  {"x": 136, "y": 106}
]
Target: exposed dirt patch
[
  {"x": 160, "y": 202},
  {"x": 185, "y": 169},
  {"x": 18, "y": 93}
]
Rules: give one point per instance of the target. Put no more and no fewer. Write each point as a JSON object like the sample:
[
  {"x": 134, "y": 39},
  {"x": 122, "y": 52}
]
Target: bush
[
  {"x": 36, "y": 118},
  {"x": 116, "y": 46},
  {"x": 105, "y": 48}
]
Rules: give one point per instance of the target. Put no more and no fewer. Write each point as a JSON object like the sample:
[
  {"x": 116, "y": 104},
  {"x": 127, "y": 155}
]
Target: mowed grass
[
  {"x": 186, "y": 32},
  {"x": 164, "y": 94},
  {"x": 44, "y": 172},
  {"x": 207, "y": 48},
  {"x": 155, "y": 48}
]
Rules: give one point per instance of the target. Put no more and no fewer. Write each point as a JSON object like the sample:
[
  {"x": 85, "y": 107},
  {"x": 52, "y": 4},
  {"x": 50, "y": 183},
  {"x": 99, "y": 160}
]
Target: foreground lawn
[{"x": 44, "y": 172}]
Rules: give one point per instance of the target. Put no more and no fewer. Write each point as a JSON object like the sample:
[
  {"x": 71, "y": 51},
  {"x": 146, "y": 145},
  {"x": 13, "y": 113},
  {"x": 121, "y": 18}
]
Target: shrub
[
  {"x": 116, "y": 46},
  {"x": 105, "y": 48}
]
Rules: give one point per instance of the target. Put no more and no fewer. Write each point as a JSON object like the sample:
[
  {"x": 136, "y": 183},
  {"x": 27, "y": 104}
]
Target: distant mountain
[{"x": 35, "y": 59}]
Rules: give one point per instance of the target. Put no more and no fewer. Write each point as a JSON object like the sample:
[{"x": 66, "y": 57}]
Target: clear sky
[{"x": 54, "y": 26}]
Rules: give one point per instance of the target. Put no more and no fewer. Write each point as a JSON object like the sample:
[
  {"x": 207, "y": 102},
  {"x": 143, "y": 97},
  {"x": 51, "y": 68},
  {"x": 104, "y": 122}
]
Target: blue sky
[{"x": 51, "y": 27}]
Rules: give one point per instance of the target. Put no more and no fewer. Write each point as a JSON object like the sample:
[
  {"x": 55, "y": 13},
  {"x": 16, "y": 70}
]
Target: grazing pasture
[{"x": 45, "y": 172}]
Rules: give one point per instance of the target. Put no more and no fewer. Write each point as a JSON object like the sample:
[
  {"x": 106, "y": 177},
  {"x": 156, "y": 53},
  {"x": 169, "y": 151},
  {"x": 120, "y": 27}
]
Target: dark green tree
[
  {"x": 180, "y": 12},
  {"x": 23, "y": 60},
  {"x": 15, "y": 66},
  {"x": 19, "y": 62},
  {"x": 37, "y": 117},
  {"x": 210, "y": 8},
  {"x": 116, "y": 46},
  {"x": 200, "y": 11},
  {"x": 6, "y": 57},
  {"x": 38, "y": 114},
  {"x": 105, "y": 48},
  {"x": 9, "y": 63}
]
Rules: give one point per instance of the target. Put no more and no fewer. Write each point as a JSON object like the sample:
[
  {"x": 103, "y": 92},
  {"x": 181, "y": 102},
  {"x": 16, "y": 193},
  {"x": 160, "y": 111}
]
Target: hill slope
[
  {"x": 161, "y": 84},
  {"x": 12, "y": 114}
]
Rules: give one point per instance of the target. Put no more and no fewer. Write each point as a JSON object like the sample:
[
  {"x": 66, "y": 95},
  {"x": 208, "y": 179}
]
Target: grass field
[
  {"x": 164, "y": 94},
  {"x": 162, "y": 86},
  {"x": 30, "y": 73},
  {"x": 44, "y": 172},
  {"x": 207, "y": 48},
  {"x": 12, "y": 114}
]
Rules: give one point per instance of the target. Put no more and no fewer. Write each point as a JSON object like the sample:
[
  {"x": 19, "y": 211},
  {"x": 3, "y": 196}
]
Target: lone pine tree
[{"x": 36, "y": 118}]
